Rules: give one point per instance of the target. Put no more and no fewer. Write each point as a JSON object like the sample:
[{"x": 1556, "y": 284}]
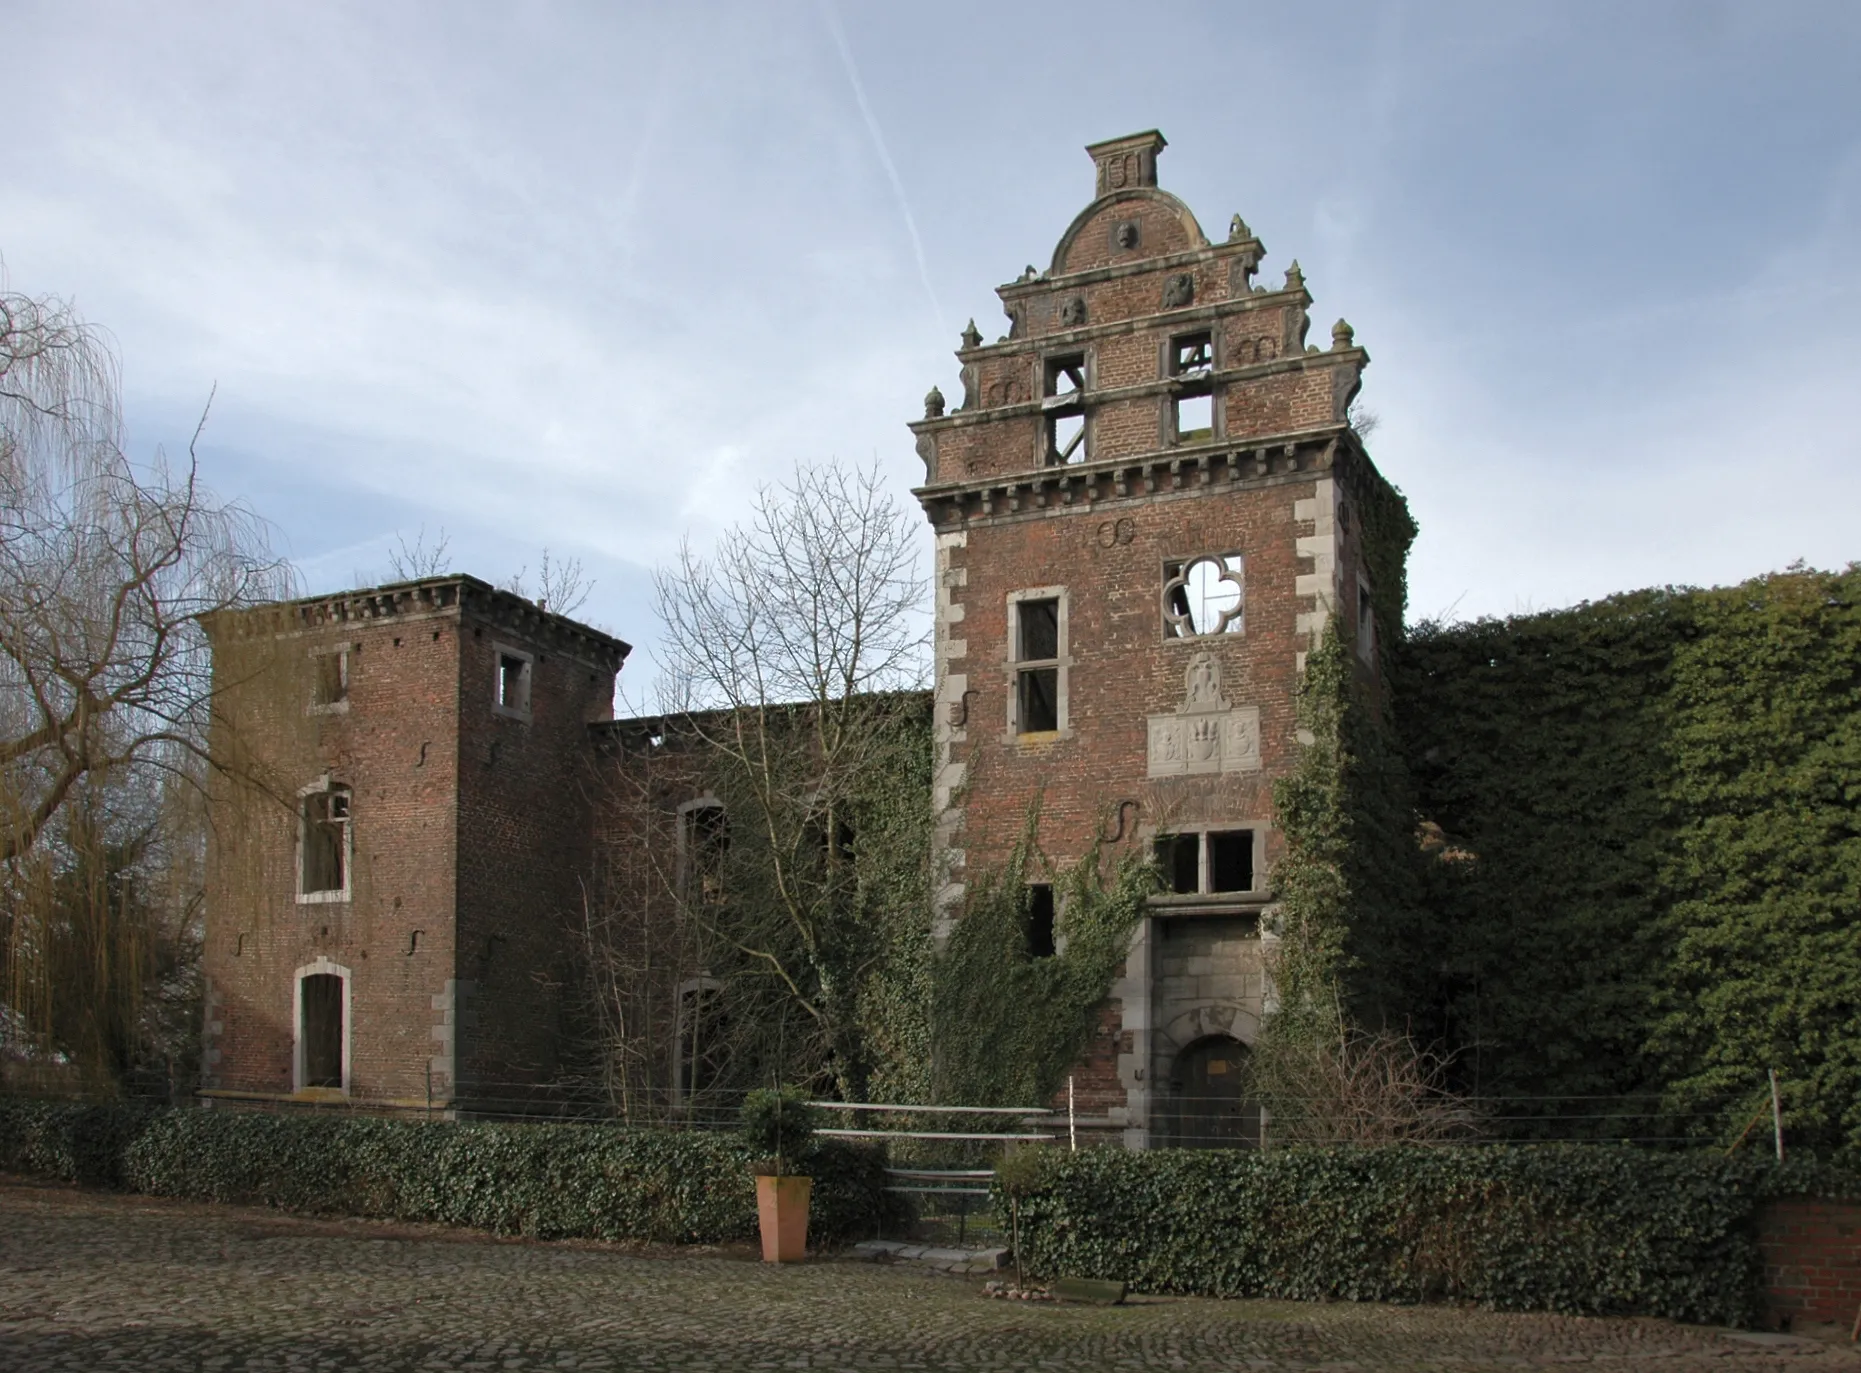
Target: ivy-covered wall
[{"x": 1641, "y": 843}]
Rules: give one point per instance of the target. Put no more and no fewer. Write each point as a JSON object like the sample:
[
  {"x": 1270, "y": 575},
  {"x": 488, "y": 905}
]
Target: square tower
[
  {"x": 1143, "y": 510},
  {"x": 402, "y": 826}
]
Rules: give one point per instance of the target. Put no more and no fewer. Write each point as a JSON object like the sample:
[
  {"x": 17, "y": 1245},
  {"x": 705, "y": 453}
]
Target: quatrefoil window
[{"x": 1203, "y": 596}]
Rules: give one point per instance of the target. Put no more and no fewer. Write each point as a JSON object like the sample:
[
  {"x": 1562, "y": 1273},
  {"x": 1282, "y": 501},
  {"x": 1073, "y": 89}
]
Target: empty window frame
[
  {"x": 700, "y": 1039},
  {"x": 1040, "y": 925},
  {"x": 1204, "y": 595},
  {"x": 1036, "y": 624},
  {"x": 1192, "y": 401},
  {"x": 512, "y": 686},
  {"x": 1063, "y": 408},
  {"x": 1206, "y": 862},
  {"x": 329, "y": 680},
  {"x": 324, "y": 843},
  {"x": 321, "y": 1058},
  {"x": 704, "y": 843}
]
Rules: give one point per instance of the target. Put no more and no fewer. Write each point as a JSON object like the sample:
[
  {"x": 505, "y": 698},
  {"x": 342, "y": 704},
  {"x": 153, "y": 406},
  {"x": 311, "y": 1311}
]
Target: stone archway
[{"x": 1208, "y": 1087}]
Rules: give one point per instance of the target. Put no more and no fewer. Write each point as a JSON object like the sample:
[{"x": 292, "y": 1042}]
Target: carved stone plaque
[{"x": 1207, "y": 734}]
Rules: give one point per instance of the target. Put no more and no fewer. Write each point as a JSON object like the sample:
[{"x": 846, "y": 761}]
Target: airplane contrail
[{"x": 832, "y": 21}]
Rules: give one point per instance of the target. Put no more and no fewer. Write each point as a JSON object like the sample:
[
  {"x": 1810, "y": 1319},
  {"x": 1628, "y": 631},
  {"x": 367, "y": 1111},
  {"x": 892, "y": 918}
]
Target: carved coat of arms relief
[{"x": 1206, "y": 733}]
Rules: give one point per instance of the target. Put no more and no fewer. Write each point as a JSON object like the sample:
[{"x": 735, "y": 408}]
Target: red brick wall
[
  {"x": 1122, "y": 669},
  {"x": 395, "y": 747},
  {"x": 525, "y": 852},
  {"x": 1812, "y": 1261},
  {"x": 465, "y": 858},
  {"x": 1104, "y": 531}
]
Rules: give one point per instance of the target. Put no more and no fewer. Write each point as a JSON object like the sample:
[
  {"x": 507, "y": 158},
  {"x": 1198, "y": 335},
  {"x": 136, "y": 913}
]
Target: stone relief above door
[{"x": 1207, "y": 733}]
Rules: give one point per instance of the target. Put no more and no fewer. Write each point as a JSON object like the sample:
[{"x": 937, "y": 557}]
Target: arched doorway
[{"x": 1209, "y": 1084}]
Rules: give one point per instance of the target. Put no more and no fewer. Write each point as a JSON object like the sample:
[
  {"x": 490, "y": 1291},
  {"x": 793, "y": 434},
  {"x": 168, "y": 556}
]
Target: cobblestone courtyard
[{"x": 94, "y": 1281}]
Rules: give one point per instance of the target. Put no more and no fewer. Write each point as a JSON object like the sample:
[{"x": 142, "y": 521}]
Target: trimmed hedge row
[
  {"x": 1579, "y": 1229},
  {"x": 545, "y": 1181}
]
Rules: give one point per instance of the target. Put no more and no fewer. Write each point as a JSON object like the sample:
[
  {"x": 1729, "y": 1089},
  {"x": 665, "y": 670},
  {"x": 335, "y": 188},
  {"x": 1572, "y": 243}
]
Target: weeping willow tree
[{"x": 106, "y": 566}]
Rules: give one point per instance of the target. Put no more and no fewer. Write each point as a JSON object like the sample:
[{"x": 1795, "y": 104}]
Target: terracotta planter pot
[{"x": 782, "y": 1211}]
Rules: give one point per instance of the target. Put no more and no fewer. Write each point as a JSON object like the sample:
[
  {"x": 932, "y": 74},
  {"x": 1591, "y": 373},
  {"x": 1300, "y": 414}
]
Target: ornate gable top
[{"x": 1126, "y": 162}]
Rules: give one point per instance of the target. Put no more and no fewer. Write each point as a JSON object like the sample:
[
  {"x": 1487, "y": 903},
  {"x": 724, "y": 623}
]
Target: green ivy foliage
[
  {"x": 544, "y": 1181},
  {"x": 1580, "y": 1229},
  {"x": 1354, "y": 934},
  {"x": 1006, "y": 1026},
  {"x": 1650, "y": 881}
]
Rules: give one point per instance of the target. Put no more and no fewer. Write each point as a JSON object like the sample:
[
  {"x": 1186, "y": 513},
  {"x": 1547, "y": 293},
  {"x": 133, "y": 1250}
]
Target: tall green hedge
[
  {"x": 1651, "y": 881},
  {"x": 1581, "y": 1229},
  {"x": 545, "y": 1181}
]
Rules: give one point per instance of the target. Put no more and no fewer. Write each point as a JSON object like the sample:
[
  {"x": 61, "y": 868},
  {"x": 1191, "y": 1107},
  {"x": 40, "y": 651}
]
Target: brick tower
[
  {"x": 402, "y": 824},
  {"x": 1143, "y": 524}
]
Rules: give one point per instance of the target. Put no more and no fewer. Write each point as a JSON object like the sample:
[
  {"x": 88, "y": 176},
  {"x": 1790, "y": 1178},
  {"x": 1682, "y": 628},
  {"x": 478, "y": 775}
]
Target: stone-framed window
[
  {"x": 1204, "y": 595},
  {"x": 321, "y": 1019},
  {"x": 1191, "y": 366},
  {"x": 1038, "y": 661},
  {"x": 699, "y": 1037},
  {"x": 325, "y": 842},
  {"x": 511, "y": 684},
  {"x": 1211, "y": 860},
  {"x": 329, "y": 680},
  {"x": 703, "y": 845},
  {"x": 1063, "y": 410}
]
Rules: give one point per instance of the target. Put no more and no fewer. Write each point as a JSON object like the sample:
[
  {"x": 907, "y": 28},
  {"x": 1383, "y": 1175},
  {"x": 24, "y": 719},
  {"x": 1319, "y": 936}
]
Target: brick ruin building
[{"x": 1143, "y": 520}]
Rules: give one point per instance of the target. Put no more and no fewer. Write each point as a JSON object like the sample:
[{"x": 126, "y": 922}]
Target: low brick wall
[{"x": 1812, "y": 1261}]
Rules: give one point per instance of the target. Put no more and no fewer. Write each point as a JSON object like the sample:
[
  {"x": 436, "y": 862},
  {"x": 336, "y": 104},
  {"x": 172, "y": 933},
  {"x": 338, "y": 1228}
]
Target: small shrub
[{"x": 778, "y": 1126}]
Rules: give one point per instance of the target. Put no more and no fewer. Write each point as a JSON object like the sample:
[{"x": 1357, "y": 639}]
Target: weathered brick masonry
[
  {"x": 1143, "y": 517},
  {"x": 1162, "y": 725},
  {"x": 468, "y": 828},
  {"x": 1812, "y": 1261}
]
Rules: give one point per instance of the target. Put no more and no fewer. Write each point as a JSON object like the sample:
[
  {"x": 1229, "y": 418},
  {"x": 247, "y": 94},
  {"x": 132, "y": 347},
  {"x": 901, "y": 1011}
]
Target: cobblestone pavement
[{"x": 94, "y": 1281}]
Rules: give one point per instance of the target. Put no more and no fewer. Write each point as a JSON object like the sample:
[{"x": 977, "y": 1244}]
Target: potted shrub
[{"x": 778, "y": 1125}]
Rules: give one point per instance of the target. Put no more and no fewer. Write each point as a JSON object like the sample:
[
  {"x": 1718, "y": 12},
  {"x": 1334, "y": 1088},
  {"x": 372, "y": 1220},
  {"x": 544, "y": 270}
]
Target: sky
[{"x": 584, "y": 276}]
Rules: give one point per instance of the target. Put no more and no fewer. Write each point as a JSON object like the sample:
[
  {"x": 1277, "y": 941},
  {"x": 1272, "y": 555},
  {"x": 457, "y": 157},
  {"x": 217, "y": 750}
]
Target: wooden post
[
  {"x": 1776, "y": 1115},
  {"x": 1072, "y": 1128}
]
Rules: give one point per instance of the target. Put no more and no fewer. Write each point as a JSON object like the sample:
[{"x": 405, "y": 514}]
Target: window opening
[
  {"x": 1203, "y": 596},
  {"x": 1230, "y": 860},
  {"x": 1192, "y": 355},
  {"x": 1064, "y": 404},
  {"x": 700, "y": 1039},
  {"x": 1366, "y": 623},
  {"x": 1192, "y": 408},
  {"x": 332, "y": 678},
  {"x": 1037, "y": 676},
  {"x": 706, "y": 841},
  {"x": 1179, "y": 856},
  {"x": 1040, "y": 920},
  {"x": 1195, "y": 417},
  {"x": 514, "y": 682},
  {"x": 325, "y": 842},
  {"x": 1206, "y": 863},
  {"x": 322, "y": 1030}
]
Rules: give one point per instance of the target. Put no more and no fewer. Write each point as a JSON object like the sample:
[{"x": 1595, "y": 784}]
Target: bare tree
[
  {"x": 411, "y": 562},
  {"x": 561, "y": 584},
  {"x": 1331, "y": 1082},
  {"x": 105, "y": 676},
  {"x": 790, "y": 654}
]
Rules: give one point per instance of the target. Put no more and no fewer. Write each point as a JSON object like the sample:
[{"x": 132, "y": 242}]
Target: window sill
[
  {"x": 1041, "y": 737},
  {"x": 322, "y": 898},
  {"x": 328, "y": 708},
  {"x": 511, "y": 713},
  {"x": 1209, "y": 903}
]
